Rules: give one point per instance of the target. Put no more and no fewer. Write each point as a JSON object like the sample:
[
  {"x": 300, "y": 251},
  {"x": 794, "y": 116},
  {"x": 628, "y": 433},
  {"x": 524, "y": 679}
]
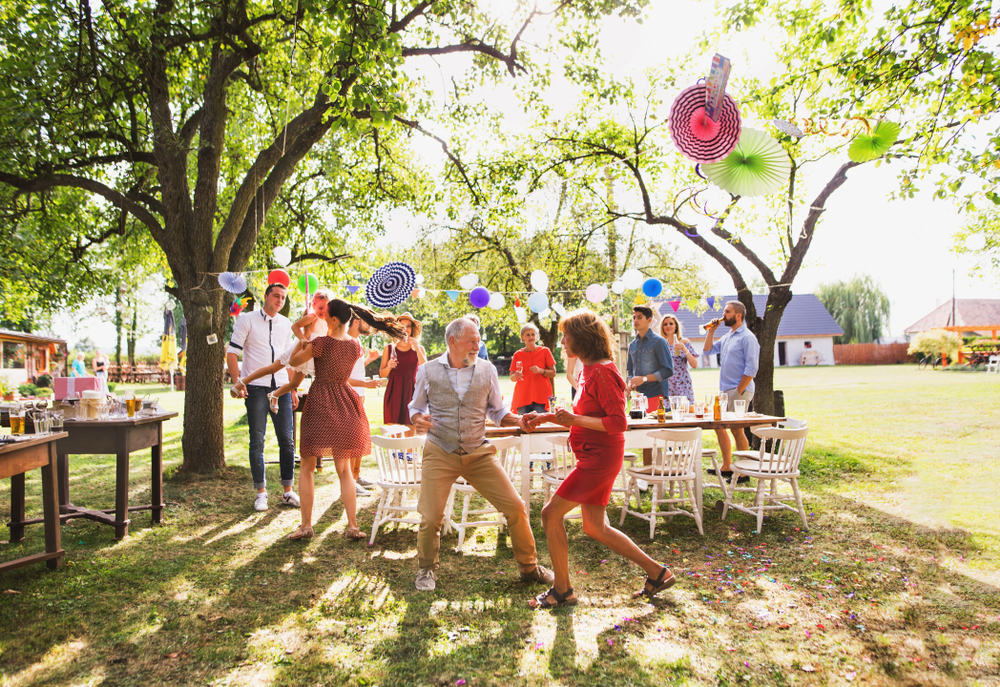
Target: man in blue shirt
[
  {"x": 650, "y": 364},
  {"x": 740, "y": 356}
]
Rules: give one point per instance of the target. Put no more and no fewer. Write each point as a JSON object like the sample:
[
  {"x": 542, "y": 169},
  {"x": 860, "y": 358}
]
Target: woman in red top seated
[
  {"x": 531, "y": 368},
  {"x": 597, "y": 438}
]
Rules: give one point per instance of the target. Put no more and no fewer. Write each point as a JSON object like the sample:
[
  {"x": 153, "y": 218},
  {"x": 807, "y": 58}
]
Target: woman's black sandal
[
  {"x": 542, "y": 602},
  {"x": 653, "y": 587}
]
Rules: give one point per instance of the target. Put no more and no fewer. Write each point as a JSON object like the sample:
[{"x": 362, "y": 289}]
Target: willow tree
[
  {"x": 860, "y": 307},
  {"x": 190, "y": 116},
  {"x": 922, "y": 64}
]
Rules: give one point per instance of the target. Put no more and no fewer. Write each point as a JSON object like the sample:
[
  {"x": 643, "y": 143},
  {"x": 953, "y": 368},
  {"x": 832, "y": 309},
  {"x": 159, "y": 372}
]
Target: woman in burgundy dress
[
  {"x": 334, "y": 424},
  {"x": 597, "y": 438},
  {"x": 400, "y": 361}
]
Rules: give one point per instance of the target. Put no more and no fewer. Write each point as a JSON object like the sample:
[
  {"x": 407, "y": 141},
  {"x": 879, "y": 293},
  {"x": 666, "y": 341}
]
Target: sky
[{"x": 904, "y": 245}]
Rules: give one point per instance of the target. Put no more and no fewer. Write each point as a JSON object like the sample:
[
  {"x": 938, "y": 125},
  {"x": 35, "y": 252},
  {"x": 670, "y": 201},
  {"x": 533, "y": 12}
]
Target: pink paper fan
[{"x": 695, "y": 134}]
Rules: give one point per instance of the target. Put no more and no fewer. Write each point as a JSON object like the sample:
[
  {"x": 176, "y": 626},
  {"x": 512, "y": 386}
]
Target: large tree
[
  {"x": 192, "y": 116},
  {"x": 907, "y": 65},
  {"x": 860, "y": 307}
]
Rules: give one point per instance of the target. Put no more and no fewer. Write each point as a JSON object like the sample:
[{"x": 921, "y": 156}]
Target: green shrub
[
  {"x": 44, "y": 381},
  {"x": 112, "y": 385},
  {"x": 44, "y": 391},
  {"x": 27, "y": 389}
]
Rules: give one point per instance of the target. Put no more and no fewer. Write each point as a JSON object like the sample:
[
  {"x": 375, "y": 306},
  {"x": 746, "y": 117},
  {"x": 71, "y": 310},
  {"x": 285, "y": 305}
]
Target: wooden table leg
[
  {"x": 157, "y": 470},
  {"x": 121, "y": 486},
  {"x": 62, "y": 469},
  {"x": 17, "y": 507},
  {"x": 50, "y": 502}
]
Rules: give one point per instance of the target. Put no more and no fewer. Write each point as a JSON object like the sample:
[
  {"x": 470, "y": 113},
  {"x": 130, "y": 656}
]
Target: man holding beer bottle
[{"x": 740, "y": 354}]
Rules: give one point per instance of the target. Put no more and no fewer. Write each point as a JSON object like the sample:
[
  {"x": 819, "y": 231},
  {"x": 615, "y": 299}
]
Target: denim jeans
[
  {"x": 258, "y": 409},
  {"x": 531, "y": 408}
]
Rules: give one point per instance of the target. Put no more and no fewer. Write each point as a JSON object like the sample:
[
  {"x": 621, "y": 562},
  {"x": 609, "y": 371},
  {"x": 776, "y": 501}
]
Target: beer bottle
[
  {"x": 717, "y": 410},
  {"x": 661, "y": 411}
]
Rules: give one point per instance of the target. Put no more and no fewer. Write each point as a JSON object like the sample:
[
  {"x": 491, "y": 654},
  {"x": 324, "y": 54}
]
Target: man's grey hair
[
  {"x": 474, "y": 318},
  {"x": 740, "y": 309},
  {"x": 457, "y": 329}
]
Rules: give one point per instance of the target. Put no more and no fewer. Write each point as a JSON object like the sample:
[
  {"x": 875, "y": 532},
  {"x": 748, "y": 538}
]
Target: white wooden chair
[
  {"x": 676, "y": 465},
  {"x": 777, "y": 461},
  {"x": 563, "y": 462},
  {"x": 508, "y": 457},
  {"x": 398, "y": 478},
  {"x": 993, "y": 364},
  {"x": 750, "y": 454}
]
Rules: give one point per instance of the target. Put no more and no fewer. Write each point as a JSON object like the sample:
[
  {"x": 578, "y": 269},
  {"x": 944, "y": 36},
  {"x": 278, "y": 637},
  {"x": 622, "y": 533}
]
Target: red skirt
[{"x": 597, "y": 467}]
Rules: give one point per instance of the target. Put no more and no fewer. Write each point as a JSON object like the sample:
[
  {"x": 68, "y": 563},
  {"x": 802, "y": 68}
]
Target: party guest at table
[
  {"x": 79, "y": 368},
  {"x": 740, "y": 353},
  {"x": 650, "y": 365},
  {"x": 334, "y": 424},
  {"x": 597, "y": 437},
  {"x": 400, "y": 361},
  {"x": 679, "y": 382},
  {"x": 532, "y": 368},
  {"x": 260, "y": 336},
  {"x": 454, "y": 395},
  {"x": 100, "y": 365}
]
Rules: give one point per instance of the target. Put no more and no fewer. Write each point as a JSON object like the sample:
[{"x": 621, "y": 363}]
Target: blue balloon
[
  {"x": 538, "y": 302},
  {"x": 652, "y": 287}
]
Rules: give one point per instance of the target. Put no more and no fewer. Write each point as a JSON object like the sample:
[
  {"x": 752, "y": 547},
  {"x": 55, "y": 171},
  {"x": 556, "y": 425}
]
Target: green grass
[{"x": 895, "y": 583}]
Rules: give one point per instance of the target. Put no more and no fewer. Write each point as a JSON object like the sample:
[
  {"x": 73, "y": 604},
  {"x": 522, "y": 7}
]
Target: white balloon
[
  {"x": 618, "y": 287},
  {"x": 420, "y": 279},
  {"x": 975, "y": 241},
  {"x": 632, "y": 279},
  {"x": 282, "y": 255},
  {"x": 538, "y": 302},
  {"x": 468, "y": 281},
  {"x": 545, "y": 313},
  {"x": 596, "y": 293},
  {"x": 560, "y": 310},
  {"x": 497, "y": 301},
  {"x": 522, "y": 316},
  {"x": 421, "y": 292},
  {"x": 540, "y": 281}
]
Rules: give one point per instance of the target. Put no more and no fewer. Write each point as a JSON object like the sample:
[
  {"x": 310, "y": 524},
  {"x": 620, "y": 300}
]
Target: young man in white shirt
[{"x": 261, "y": 336}]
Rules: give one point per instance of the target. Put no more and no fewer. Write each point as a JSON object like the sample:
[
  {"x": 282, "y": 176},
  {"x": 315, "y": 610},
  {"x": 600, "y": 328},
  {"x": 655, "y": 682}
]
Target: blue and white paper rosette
[
  {"x": 232, "y": 282},
  {"x": 391, "y": 284}
]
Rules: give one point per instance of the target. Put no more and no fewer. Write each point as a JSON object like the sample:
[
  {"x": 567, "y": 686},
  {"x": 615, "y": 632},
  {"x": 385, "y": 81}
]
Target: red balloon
[{"x": 278, "y": 277}]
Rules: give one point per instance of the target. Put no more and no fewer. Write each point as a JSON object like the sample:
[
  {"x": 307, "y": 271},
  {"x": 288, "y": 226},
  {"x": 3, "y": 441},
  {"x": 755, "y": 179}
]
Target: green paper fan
[
  {"x": 757, "y": 167},
  {"x": 866, "y": 147}
]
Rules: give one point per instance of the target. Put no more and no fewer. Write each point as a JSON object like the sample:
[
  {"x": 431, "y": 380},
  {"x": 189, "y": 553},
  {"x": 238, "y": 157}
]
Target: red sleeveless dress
[{"x": 399, "y": 390}]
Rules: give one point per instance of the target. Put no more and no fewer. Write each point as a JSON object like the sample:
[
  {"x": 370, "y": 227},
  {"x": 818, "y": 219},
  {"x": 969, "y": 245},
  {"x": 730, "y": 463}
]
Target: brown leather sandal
[
  {"x": 301, "y": 533},
  {"x": 653, "y": 587},
  {"x": 355, "y": 533},
  {"x": 541, "y": 601}
]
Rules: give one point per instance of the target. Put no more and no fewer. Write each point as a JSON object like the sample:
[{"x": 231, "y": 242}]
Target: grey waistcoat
[{"x": 457, "y": 423}]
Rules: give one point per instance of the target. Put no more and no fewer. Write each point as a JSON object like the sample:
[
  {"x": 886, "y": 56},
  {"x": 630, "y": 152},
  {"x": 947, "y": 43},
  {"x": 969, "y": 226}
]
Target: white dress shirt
[
  {"x": 261, "y": 338},
  {"x": 461, "y": 380}
]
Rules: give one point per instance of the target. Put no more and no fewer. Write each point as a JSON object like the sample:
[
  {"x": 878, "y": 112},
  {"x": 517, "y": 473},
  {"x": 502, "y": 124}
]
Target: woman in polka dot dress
[
  {"x": 684, "y": 355},
  {"x": 334, "y": 424}
]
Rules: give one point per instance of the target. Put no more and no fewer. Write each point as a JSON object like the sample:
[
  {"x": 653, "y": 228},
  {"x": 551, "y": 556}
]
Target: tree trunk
[
  {"x": 118, "y": 326},
  {"x": 130, "y": 337},
  {"x": 549, "y": 336},
  {"x": 204, "y": 429},
  {"x": 766, "y": 331}
]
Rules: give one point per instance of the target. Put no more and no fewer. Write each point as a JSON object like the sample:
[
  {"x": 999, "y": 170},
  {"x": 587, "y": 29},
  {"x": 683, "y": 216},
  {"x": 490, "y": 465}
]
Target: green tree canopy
[{"x": 860, "y": 307}]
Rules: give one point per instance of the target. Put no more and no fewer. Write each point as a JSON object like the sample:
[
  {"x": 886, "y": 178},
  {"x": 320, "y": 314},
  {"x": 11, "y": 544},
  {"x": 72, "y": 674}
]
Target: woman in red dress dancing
[
  {"x": 400, "y": 361},
  {"x": 334, "y": 424},
  {"x": 597, "y": 438}
]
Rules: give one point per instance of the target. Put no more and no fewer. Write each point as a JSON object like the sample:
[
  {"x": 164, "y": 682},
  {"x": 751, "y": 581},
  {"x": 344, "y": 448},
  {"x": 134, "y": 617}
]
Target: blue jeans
[
  {"x": 531, "y": 408},
  {"x": 258, "y": 409}
]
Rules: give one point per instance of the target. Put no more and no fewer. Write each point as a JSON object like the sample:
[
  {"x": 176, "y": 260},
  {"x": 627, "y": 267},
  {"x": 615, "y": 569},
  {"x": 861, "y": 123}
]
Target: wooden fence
[{"x": 871, "y": 354}]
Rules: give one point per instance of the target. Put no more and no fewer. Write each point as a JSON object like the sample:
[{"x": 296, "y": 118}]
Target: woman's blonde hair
[
  {"x": 680, "y": 329},
  {"x": 592, "y": 337},
  {"x": 531, "y": 326}
]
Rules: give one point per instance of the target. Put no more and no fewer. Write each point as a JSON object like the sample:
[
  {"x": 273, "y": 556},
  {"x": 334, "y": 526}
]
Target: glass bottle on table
[
  {"x": 717, "y": 410},
  {"x": 661, "y": 411}
]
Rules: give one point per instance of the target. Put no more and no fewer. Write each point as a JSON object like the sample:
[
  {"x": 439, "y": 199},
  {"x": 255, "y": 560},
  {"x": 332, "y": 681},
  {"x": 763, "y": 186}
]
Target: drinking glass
[
  {"x": 519, "y": 366},
  {"x": 678, "y": 405},
  {"x": 724, "y": 402},
  {"x": 553, "y": 404},
  {"x": 699, "y": 410},
  {"x": 740, "y": 407},
  {"x": 57, "y": 422},
  {"x": 378, "y": 378},
  {"x": 17, "y": 421}
]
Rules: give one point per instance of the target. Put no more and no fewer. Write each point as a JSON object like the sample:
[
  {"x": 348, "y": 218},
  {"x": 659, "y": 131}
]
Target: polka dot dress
[{"x": 334, "y": 423}]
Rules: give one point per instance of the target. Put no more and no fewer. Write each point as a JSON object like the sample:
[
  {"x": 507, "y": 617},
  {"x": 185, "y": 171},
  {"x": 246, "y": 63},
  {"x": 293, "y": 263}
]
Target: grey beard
[{"x": 470, "y": 359}]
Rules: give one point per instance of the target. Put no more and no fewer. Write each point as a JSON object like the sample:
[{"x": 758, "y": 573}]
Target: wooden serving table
[
  {"x": 16, "y": 459},
  {"x": 635, "y": 438},
  {"x": 121, "y": 437}
]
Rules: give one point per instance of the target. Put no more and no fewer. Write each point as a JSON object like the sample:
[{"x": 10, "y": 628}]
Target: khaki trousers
[{"x": 483, "y": 471}]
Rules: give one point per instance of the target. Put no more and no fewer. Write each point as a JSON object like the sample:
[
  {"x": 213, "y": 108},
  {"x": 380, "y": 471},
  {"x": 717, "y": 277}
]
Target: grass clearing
[{"x": 895, "y": 583}]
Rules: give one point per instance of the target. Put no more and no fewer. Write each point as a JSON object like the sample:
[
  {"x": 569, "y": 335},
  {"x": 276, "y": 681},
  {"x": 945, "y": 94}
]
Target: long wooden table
[
  {"x": 15, "y": 460},
  {"x": 119, "y": 437},
  {"x": 635, "y": 438}
]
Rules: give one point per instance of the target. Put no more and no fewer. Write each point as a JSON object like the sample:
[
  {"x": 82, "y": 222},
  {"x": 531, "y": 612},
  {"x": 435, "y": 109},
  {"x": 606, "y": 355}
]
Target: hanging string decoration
[
  {"x": 390, "y": 285},
  {"x": 238, "y": 306},
  {"x": 453, "y": 295},
  {"x": 698, "y": 136},
  {"x": 757, "y": 167},
  {"x": 867, "y": 147},
  {"x": 232, "y": 282}
]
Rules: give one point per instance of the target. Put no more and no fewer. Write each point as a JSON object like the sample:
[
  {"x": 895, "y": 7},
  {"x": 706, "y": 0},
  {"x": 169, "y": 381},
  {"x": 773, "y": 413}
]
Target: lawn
[{"x": 895, "y": 583}]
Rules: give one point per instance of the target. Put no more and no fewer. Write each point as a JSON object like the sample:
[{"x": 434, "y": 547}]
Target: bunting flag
[
  {"x": 453, "y": 295},
  {"x": 353, "y": 289},
  {"x": 711, "y": 302},
  {"x": 675, "y": 305}
]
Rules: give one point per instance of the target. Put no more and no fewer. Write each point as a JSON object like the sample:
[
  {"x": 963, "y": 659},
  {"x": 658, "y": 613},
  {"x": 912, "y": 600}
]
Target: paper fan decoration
[
  {"x": 757, "y": 167},
  {"x": 788, "y": 128},
  {"x": 232, "y": 282},
  {"x": 866, "y": 147},
  {"x": 390, "y": 285},
  {"x": 695, "y": 134}
]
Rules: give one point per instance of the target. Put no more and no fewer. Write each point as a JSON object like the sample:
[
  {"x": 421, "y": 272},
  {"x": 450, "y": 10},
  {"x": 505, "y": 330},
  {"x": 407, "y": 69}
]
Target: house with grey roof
[
  {"x": 980, "y": 315},
  {"x": 805, "y": 333}
]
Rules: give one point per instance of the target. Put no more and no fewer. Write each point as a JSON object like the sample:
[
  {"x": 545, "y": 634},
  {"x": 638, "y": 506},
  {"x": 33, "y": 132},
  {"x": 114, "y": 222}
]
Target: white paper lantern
[
  {"x": 469, "y": 281},
  {"x": 560, "y": 310},
  {"x": 632, "y": 279},
  {"x": 522, "y": 316},
  {"x": 975, "y": 241},
  {"x": 497, "y": 301},
  {"x": 617, "y": 287},
  {"x": 282, "y": 255},
  {"x": 540, "y": 281},
  {"x": 420, "y": 279},
  {"x": 545, "y": 313}
]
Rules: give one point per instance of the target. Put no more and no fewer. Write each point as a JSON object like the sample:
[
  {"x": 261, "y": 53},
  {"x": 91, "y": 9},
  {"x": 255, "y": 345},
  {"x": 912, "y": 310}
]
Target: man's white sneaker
[
  {"x": 360, "y": 490},
  {"x": 426, "y": 580},
  {"x": 363, "y": 482},
  {"x": 290, "y": 498},
  {"x": 260, "y": 502}
]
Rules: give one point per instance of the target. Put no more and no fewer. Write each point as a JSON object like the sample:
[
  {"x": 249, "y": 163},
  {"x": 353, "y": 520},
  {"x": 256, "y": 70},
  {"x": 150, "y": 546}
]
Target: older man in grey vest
[{"x": 452, "y": 398}]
